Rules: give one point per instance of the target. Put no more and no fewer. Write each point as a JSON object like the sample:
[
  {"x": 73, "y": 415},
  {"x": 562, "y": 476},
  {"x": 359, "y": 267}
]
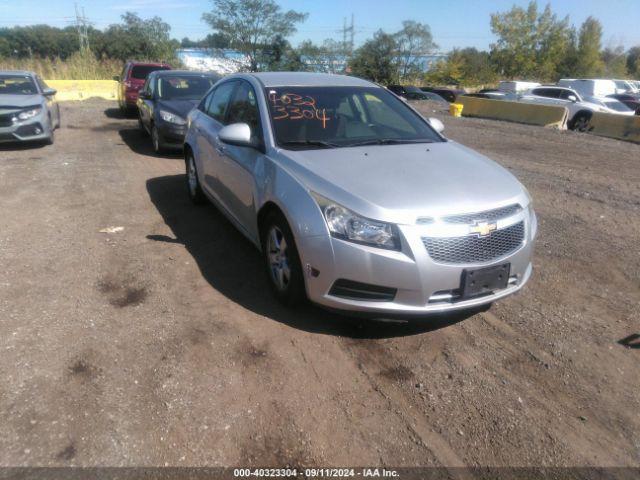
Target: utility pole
[
  {"x": 347, "y": 45},
  {"x": 82, "y": 25}
]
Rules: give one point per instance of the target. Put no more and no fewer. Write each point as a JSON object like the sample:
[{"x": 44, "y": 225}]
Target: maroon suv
[{"x": 132, "y": 80}]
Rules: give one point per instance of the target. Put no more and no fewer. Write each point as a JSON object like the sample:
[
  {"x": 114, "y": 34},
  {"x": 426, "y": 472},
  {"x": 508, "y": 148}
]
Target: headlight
[
  {"x": 27, "y": 114},
  {"x": 347, "y": 225},
  {"x": 171, "y": 118}
]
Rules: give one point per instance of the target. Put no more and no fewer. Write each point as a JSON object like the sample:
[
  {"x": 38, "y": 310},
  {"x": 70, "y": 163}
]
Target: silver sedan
[
  {"x": 357, "y": 202},
  {"x": 28, "y": 110}
]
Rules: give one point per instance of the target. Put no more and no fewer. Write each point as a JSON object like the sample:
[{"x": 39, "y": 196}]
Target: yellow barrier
[
  {"x": 615, "y": 126},
  {"x": 83, "y": 89},
  {"x": 529, "y": 113}
]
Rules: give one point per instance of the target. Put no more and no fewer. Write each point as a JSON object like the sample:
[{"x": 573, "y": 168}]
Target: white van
[
  {"x": 516, "y": 86},
  {"x": 590, "y": 87}
]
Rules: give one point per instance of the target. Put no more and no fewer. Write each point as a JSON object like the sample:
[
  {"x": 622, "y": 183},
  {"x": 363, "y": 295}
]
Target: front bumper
[
  {"x": 421, "y": 285},
  {"x": 34, "y": 129},
  {"x": 171, "y": 135}
]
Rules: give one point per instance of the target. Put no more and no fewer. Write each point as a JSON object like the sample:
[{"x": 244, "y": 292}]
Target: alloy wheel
[{"x": 278, "y": 259}]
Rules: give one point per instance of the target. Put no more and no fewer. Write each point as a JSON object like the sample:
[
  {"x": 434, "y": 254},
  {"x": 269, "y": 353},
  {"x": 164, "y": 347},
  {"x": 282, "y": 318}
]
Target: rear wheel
[
  {"x": 281, "y": 260},
  {"x": 193, "y": 184}
]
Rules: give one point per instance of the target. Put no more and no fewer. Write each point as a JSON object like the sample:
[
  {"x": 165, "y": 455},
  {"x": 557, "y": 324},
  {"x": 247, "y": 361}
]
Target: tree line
[{"x": 532, "y": 43}]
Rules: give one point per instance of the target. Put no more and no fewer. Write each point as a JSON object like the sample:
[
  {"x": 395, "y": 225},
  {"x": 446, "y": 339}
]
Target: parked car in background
[
  {"x": 626, "y": 86},
  {"x": 164, "y": 102},
  {"x": 131, "y": 80},
  {"x": 449, "y": 94},
  {"x": 28, "y": 109},
  {"x": 580, "y": 108},
  {"x": 409, "y": 92},
  {"x": 631, "y": 101},
  {"x": 356, "y": 201}
]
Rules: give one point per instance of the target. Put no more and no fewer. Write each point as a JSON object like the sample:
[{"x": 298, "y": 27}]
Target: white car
[{"x": 580, "y": 108}]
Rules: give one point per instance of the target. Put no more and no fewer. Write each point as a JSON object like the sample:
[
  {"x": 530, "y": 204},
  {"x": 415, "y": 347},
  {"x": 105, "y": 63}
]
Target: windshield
[
  {"x": 17, "y": 85},
  {"x": 413, "y": 89},
  {"x": 617, "y": 106},
  {"x": 329, "y": 117},
  {"x": 186, "y": 87}
]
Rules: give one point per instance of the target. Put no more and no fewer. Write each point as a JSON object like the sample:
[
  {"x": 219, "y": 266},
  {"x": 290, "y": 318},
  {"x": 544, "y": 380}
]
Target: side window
[
  {"x": 244, "y": 109},
  {"x": 217, "y": 107},
  {"x": 151, "y": 85},
  {"x": 565, "y": 94}
]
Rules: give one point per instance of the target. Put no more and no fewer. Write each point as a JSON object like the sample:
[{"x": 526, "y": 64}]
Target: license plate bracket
[{"x": 482, "y": 281}]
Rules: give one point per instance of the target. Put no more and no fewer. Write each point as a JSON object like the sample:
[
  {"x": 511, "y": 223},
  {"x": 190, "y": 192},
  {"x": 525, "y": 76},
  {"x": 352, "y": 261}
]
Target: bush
[{"x": 79, "y": 66}]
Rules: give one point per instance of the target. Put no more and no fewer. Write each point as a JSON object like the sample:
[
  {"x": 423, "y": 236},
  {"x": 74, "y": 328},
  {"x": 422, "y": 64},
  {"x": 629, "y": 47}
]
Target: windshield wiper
[
  {"x": 309, "y": 143},
  {"x": 387, "y": 141}
]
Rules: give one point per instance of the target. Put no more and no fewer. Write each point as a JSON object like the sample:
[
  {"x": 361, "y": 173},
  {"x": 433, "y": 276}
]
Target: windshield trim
[{"x": 439, "y": 138}]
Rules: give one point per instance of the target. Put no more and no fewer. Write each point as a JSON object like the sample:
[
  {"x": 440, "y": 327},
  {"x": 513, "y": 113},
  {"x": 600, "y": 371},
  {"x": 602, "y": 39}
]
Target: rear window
[{"x": 140, "y": 72}]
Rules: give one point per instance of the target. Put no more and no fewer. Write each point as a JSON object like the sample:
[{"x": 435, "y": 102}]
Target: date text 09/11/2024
[{"x": 316, "y": 472}]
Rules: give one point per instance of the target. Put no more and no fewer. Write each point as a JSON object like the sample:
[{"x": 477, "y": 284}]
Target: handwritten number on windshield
[{"x": 297, "y": 107}]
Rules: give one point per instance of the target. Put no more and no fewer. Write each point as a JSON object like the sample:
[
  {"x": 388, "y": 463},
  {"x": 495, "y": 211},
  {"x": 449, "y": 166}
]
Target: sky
[{"x": 459, "y": 23}]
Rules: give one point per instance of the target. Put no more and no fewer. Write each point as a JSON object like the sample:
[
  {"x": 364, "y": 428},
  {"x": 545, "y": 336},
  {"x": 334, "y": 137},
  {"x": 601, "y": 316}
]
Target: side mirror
[
  {"x": 572, "y": 98},
  {"x": 437, "y": 125},
  {"x": 144, "y": 95},
  {"x": 236, "y": 134},
  {"x": 116, "y": 78},
  {"x": 49, "y": 92}
]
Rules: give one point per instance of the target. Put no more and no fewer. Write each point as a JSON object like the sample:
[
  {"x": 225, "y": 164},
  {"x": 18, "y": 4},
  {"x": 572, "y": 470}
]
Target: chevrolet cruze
[{"x": 356, "y": 201}]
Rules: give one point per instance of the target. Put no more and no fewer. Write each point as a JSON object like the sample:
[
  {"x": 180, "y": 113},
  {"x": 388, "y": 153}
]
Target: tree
[
  {"x": 280, "y": 56},
  {"x": 530, "y": 45},
  {"x": 615, "y": 62},
  {"x": 252, "y": 24},
  {"x": 413, "y": 42},
  {"x": 377, "y": 59},
  {"x": 589, "y": 62},
  {"x": 137, "y": 38},
  {"x": 328, "y": 58},
  {"x": 464, "y": 67},
  {"x": 633, "y": 61}
]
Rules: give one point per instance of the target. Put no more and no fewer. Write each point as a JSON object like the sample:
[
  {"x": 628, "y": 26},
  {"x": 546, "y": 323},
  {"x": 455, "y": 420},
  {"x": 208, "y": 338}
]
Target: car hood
[
  {"x": 12, "y": 102},
  {"x": 178, "y": 107},
  {"x": 400, "y": 183}
]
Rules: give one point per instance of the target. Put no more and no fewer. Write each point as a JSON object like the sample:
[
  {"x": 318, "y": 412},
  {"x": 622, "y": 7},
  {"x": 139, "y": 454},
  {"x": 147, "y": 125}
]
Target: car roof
[
  {"x": 308, "y": 79},
  {"x": 17, "y": 72},
  {"x": 134, "y": 63},
  {"x": 168, "y": 73}
]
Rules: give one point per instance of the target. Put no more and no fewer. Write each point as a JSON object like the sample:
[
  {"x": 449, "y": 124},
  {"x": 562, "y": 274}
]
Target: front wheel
[
  {"x": 193, "y": 184},
  {"x": 581, "y": 122},
  {"x": 281, "y": 260},
  {"x": 156, "y": 140}
]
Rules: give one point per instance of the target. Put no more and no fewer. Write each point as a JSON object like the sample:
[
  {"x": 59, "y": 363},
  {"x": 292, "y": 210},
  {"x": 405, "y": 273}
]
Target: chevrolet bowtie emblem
[{"x": 483, "y": 229}]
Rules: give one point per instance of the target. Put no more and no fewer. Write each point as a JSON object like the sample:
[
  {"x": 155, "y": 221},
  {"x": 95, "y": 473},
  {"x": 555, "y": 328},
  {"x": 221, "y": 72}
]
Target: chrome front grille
[
  {"x": 475, "y": 249},
  {"x": 486, "y": 216}
]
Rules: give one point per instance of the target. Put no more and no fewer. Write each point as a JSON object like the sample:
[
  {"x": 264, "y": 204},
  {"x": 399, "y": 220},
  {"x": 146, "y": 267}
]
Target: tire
[
  {"x": 196, "y": 195},
  {"x": 581, "y": 122},
  {"x": 156, "y": 140},
  {"x": 143, "y": 130},
  {"x": 52, "y": 137},
  {"x": 281, "y": 260}
]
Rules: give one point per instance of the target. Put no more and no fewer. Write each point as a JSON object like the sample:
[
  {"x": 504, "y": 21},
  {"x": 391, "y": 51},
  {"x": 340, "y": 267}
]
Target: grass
[{"x": 79, "y": 66}]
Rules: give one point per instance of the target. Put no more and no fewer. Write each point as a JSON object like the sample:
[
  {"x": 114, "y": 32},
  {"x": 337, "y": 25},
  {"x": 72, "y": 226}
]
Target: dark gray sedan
[
  {"x": 28, "y": 110},
  {"x": 165, "y": 101}
]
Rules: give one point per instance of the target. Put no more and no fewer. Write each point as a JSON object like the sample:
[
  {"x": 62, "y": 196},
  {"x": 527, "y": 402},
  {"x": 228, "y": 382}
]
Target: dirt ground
[{"x": 161, "y": 345}]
